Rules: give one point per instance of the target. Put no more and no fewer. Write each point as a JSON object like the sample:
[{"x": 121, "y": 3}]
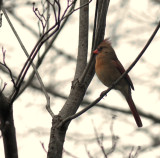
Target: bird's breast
[{"x": 104, "y": 71}]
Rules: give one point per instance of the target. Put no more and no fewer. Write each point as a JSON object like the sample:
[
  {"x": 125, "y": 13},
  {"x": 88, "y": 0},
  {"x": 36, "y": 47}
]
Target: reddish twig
[
  {"x": 43, "y": 147},
  {"x": 41, "y": 18},
  {"x": 64, "y": 16},
  {"x": 34, "y": 52},
  {"x": 49, "y": 33},
  {"x": 56, "y": 15}
]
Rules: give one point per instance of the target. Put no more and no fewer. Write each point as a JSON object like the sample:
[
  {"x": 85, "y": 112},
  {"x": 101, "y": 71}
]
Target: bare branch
[
  {"x": 83, "y": 40},
  {"x": 50, "y": 32},
  {"x": 69, "y": 154},
  {"x": 55, "y": 93},
  {"x": 5, "y": 65},
  {"x": 98, "y": 34},
  {"x": 56, "y": 14},
  {"x": 41, "y": 18},
  {"x": 43, "y": 147},
  {"x": 114, "y": 138},
  {"x": 88, "y": 153},
  {"x": 35, "y": 50},
  {"x": 14, "y": 95},
  {"x": 136, "y": 153},
  {"x": 64, "y": 16},
  {"x": 1, "y": 19},
  {"x": 5, "y": 84},
  {"x": 99, "y": 141}
]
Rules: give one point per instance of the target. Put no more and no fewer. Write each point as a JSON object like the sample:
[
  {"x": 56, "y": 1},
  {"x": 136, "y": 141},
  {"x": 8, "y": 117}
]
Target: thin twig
[
  {"x": 5, "y": 65},
  {"x": 69, "y": 154},
  {"x": 51, "y": 31},
  {"x": 94, "y": 29},
  {"x": 49, "y": 45},
  {"x": 99, "y": 141},
  {"x": 34, "y": 52},
  {"x": 41, "y": 18},
  {"x": 88, "y": 153},
  {"x": 37, "y": 74},
  {"x": 5, "y": 84},
  {"x": 114, "y": 138},
  {"x": 76, "y": 9},
  {"x": 112, "y": 86},
  {"x": 0, "y": 19},
  {"x": 136, "y": 153},
  {"x": 130, "y": 154},
  {"x": 54, "y": 10},
  {"x": 42, "y": 144}
]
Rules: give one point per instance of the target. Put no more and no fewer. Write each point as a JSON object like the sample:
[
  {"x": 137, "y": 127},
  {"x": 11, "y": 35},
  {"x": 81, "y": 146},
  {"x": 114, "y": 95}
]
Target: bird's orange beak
[{"x": 95, "y": 51}]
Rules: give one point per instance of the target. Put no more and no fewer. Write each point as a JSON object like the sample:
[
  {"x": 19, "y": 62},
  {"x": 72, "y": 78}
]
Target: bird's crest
[
  {"x": 108, "y": 41},
  {"x": 105, "y": 42}
]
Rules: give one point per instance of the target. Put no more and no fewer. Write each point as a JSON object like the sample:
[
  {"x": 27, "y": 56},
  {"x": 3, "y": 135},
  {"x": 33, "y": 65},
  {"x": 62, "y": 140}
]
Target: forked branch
[{"x": 50, "y": 32}]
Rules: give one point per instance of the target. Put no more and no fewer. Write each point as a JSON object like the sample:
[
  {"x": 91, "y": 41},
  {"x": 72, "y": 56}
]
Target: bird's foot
[{"x": 103, "y": 94}]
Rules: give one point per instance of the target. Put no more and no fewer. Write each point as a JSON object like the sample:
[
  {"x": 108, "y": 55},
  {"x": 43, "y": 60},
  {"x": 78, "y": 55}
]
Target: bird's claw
[{"x": 103, "y": 94}]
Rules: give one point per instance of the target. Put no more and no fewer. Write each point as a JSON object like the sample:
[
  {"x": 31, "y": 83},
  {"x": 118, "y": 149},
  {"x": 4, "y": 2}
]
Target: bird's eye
[{"x": 100, "y": 48}]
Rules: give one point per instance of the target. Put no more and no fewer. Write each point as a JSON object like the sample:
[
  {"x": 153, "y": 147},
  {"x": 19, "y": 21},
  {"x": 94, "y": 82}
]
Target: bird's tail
[{"x": 134, "y": 111}]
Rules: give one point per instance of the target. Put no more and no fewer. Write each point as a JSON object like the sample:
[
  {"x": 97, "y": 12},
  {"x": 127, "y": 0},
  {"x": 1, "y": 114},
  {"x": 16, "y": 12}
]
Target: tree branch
[
  {"x": 70, "y": 107},
  {"x": 83, "y": 39},
  {"x": 35, "y": 70},
  {"x": 99, "y": 29},
  {"x": 55, "y": 93}
]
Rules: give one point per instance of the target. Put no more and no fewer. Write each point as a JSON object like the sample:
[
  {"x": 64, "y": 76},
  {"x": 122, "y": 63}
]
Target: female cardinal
[{"x": 109, "y": 69}]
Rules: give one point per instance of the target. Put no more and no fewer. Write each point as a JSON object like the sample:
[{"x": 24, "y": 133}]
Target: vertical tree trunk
[
  {"x": 78, "y": 91},
  {"x": 7, "y": 128}
]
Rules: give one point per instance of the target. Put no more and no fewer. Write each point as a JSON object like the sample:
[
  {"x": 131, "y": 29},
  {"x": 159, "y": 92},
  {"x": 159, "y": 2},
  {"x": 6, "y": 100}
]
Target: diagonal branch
[{"x": 55, "y": 93}]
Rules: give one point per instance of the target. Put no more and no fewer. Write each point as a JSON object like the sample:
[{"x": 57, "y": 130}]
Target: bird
[{"x": 108, "y": 69}]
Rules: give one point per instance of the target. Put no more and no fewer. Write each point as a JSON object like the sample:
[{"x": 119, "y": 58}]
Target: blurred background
[{"x": 130, "y": 23}]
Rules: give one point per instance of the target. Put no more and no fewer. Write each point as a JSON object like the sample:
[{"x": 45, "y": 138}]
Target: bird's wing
[{"x": 121, "y": 69}]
